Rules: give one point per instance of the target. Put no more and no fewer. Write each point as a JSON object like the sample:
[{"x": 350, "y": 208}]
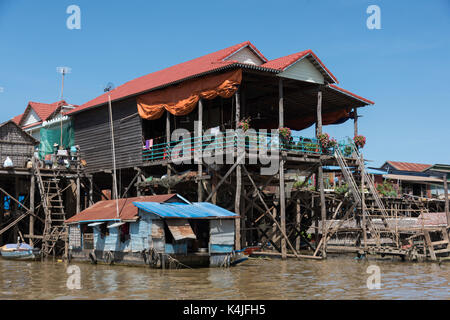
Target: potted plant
[
  {"x": 326, "y": 143},
  {"x": 348, "y": 151},
  {"x": 359, "y": 141},
  {"x": 244, "y": 124},
  {"x": 285, "y": 136}
]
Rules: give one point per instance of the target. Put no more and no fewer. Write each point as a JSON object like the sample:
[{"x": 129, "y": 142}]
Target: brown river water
[{"x": 340, "y": 277}]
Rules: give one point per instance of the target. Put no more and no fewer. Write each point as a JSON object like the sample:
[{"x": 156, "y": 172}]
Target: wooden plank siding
[
  {"x": 15, "y": 144},
  {"x": 93, "y": 135}
]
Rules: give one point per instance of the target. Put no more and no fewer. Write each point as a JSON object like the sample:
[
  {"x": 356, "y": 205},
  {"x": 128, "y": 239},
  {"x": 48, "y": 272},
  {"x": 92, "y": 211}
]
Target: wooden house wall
[
  {"x": 15, "y": 144},
  {"x": 93, "y": 135}
]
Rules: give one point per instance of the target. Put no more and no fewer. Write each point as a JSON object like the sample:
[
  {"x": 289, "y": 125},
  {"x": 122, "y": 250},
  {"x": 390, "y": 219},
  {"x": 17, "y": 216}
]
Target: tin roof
[
  {"x": 106, "y": 210},
  {"x": 209, "y": 63},
  {"x": 283, "y": 63},
  {"x": 183, "y": 210},
  {"x": 408, "y": 166}
]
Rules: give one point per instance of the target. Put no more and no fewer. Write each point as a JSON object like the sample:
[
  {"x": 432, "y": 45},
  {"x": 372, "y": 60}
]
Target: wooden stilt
[
  {"x": 323, "y": 212},
  {"x": 447, "y": 212},
  {"x": 78, "y": 195},
  {"x": 168, "y": 146},
  {"x": 281, "y": 170},
  {"x": 298, "y": 219},
  {"x": 199, "y": 145},
  {"x": 91, "y": 190},
  {"x": 32, "y": 206},
  {"x": 355, "y": 121},
  {"x": 237, "y": 200}
]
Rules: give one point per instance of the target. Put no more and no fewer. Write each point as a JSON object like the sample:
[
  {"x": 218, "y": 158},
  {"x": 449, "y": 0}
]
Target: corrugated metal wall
[
  {"x": 92, "y": 134},
  {"x": 221, "y": 232}
]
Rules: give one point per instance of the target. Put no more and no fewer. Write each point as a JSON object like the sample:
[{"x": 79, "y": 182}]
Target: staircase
[
  {"x": 375, "y": 229},
  {"x": 54, "y": 229}
]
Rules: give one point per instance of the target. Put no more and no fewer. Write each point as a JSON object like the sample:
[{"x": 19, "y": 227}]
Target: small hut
[
  {"x": 155, "y": 231},
  {"x": 16, "y": 144}
]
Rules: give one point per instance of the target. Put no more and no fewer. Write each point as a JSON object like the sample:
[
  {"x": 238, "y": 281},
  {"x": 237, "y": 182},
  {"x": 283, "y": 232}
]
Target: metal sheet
[
  {"x": 180, "y": 229},
  {"x": 106, "y": 210},
  {"x": 183, "y": 210},
  {"x": 95, "y": 224},
  {"x": 117, "y": 224},
  {"x": 222, "y": 232}
]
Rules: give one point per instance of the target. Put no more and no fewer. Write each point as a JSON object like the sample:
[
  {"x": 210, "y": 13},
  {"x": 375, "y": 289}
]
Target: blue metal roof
[{"x": 184, "y": 210}]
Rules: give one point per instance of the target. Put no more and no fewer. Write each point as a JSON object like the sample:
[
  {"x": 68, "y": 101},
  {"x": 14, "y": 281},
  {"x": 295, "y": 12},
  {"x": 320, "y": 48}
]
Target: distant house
[
  {"x": 16, "y": 144},
  {"x": 411, "y": 178},
  {"x": 38, "y": 115},
  {"x": 153, "y": 230},
  {"x": 45, "y": 122}
]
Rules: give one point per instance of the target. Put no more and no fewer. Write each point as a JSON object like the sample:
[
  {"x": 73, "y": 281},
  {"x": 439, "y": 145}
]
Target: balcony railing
[{"x": 250, "y": 142}]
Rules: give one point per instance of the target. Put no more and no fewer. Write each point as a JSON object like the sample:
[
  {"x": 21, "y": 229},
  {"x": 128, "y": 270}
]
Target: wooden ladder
[
  {"x": 375, "y": 230},
  {"x": 52, "y": 203}
]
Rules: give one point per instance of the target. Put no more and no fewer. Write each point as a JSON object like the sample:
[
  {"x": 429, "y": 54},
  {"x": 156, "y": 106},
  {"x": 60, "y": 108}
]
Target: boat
[{"x": 19, "y": 251}]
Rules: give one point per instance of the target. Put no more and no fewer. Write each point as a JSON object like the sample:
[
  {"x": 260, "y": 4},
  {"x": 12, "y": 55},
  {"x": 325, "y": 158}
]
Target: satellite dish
[{"x": 109, "y": 87}]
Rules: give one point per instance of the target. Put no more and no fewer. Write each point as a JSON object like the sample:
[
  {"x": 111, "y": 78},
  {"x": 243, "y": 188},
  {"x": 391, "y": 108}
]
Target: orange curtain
[{"x": 181, "y": 99}]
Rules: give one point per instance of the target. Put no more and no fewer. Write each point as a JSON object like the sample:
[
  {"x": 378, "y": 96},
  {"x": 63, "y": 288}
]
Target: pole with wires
[{"x": 116, "y": 193}]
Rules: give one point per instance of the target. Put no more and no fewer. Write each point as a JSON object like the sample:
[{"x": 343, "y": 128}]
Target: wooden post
[
  {"x": 31, "y": 226},
  {"x": 355, "y": 121},
  {"x": 78, "y": 195},
  {"x": 199, "y": 145},
  {"x": 91, "y": 190},
  {"x": 281, "y": 170},
  {"x": 363, "y": 203},
  {"x": 237, "y": 200},
  {"x": 138, "y": 189},
  {"x": 16, "y": 206},
  {"x": 168, "y": 145},
  {"x": 213, "y": 187},
  {"x": 320, "y": 177},
  {"x": 447, "y": 213},
  {"x": 298, "y": 220}
]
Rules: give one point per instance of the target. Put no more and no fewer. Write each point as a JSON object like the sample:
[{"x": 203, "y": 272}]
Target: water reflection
[{"x": 335, "y": 278}]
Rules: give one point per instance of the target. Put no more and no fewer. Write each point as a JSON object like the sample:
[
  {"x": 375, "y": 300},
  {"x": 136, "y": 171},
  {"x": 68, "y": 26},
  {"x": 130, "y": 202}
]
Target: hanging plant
[
  {"x": 359, "y": 141},
  {"x": 285, "y": 136},
  {"x": 244, "y": 124},
  {"x": 285, "y": 132}
]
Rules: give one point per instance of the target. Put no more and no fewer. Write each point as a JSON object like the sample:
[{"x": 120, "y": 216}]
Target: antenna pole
[{"x": 116, "y": 193}]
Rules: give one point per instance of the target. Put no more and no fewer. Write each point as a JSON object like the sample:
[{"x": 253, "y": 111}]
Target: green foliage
[
  {"x": 343, "y": 189},
  {"x": 387, "y": 189}
]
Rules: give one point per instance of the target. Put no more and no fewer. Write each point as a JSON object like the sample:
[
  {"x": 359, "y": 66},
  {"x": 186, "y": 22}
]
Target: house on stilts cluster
[{"x": 224, "y": 129}]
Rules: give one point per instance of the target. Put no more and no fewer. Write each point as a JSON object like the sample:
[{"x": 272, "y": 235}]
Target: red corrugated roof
[
  {"x": 17, "y": 119},
  {"x": 409, "y": 166},
  {"x": 43, "y": 110},
  {"x": 169, "y": 75},
  {"x": 106, "y": 210},
  {"x": 284, "y": 62},
  {"x": 199, "y": 66}
]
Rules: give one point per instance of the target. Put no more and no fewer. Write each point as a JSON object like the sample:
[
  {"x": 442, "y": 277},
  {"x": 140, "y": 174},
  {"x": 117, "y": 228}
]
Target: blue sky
[{"x": 403, "y": 67}]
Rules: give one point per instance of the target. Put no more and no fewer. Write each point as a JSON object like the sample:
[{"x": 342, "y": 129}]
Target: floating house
[{"x": 158, "y": 231}]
